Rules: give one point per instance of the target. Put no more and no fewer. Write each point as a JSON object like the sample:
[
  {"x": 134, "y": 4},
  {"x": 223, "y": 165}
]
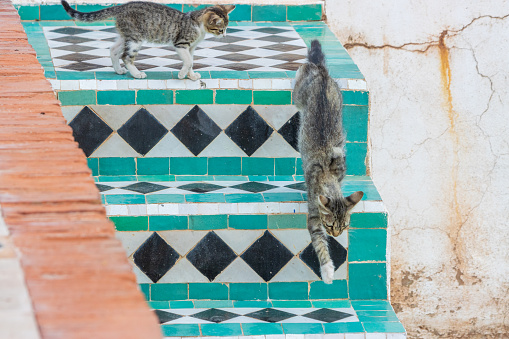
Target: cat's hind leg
[
  {"x": 131, "y": 49},
  {"x": 187, "y": 67},
  {"x": 116, "y": 52},
  {"x": 321, "y": 246}
]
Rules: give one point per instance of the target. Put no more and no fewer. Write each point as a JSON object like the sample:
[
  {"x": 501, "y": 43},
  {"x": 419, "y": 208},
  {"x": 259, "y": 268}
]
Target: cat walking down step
[
  {"x": 322, "y": 147},
  {"x": 138, "y": 22}
]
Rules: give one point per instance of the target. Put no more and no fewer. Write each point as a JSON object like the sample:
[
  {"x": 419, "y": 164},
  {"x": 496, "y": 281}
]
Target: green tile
[
  {"x": 178, "y": 7},
  {"x": 205, "y": 197},
  {"x": 331, "y": 303},
  {"x": 241, "y": 197},
  {"x": 214, "y": 291},
  {"x": 181, "y": 330},
  {"x": 189, "y": 8},
  {"x": 158, "y": 305},
  {"x": 377, "y": 318},
  {"x": 282, "y": 197},
  {"x": 77, "y": 98},
  {"x": 246, "y": 222},
  {"x": 372, "y": 313},
  {"x": 337, "y": 290},
  {"x": 153, "y": 166},
  {"x": 269, "y": 13},
  {"x": 156, "y": 178},
  {"x": 130, "y": 223},
  {"x": 367, "y": 305},
  {"x": 221, "y": 330},
  {"x": 304, "y": 12},
  {"x": 285, "y": 166},
  {"x": 124, "y": 199},
  {"x": 299, "y": 170},
  {"x": 355, "y": 98},
  {"x": 248, "y": 291},
  {"x": 117, "y": 166},
  {"x": 28, "y": 12},
  {"x": 229, "y": 75},
  {"x": 154, "y": 97},
  {"x": 75, "y": 76},
  {"x": 355, "y": 123},
  {"x": 225, "y": 166},
  {"x": 367, "y": 245},
  {"x": 240, "y": 13},
  {"x": 116, "y": 97},
  {"x": 54, "y": 12},
  {"x": 304, "y": 328},
  {"x": 258, "y": 178},
  {"x": 229, "y": 177},
  {"x": 267, "y": 75},
  {"x": 355, "y": 158},
  {"x": 90, "y": 8},
  {"x": 292, "y": 303},
  {"x": 167, "y": 222},
  {"x": 262, "y": 329},
  {"x": 145, "y": 289},
  {"x": 282, "y": 178},
  {"x": 383, "y": 327},
  {"x": 368, "y": 220},
  {"x": 212, "y": 303},
  {"x": 112, "y": 178},
  {"x": 272, "y": 97},
  {"x": 350, "y": 327},
  {"x": 181, "y": 304},
  {"x": 165, "y": 292},
  {"x": 194, "y": 97},
  {"x": 234, "y": 96},
  {"x": 188, "y": 166},
  {"x": 278, "y": 221},
  {"x": 252, "y": 303},
  {"x": 165, "y": 198},
  {"x": 208, "y": 222},
  {"x": 257, "y": 166},
  {"x": 288, "y": 290},
  {"x": 194, "y": 178},
  {"x": 112, "y": 76},
  {"x": 93, "y": 164},
  {"x": 367, "y": 281}
]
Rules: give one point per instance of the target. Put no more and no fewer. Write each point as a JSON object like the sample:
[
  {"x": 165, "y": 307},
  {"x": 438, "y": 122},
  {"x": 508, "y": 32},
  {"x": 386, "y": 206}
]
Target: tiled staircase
[{"x": 204, "y": 182}]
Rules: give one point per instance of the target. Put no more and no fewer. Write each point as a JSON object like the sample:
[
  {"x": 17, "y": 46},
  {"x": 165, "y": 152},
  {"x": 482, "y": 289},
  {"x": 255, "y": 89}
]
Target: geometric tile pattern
[{"x": 245, "y": 48}]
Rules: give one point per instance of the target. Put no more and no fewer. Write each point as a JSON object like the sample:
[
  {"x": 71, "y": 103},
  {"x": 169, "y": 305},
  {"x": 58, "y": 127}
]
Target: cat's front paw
[
  {"x": 327, "y": 272},
  {"x": 141, "y": 75},
  {"x": 182, "y": 75},
  {"x": 121, "y": 71},
  {"x": 194, "y": 76}
]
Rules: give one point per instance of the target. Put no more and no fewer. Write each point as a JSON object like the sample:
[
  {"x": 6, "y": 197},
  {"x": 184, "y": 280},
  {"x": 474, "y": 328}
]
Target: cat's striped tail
[
  {"x": 91, "y": 16},
  {"x": 315, "y": 54}
]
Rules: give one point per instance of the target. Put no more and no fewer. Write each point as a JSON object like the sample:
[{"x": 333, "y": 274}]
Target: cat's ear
[
  {"x": 323, "y": 201},
  {"x": 228, "y": 8},
  {"x": 353, "y": 199}
]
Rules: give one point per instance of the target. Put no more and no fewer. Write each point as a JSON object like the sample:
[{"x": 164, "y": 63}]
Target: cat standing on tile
[
  {"x": 321, "y": 144},
  {"x": 139, "y": 22}
]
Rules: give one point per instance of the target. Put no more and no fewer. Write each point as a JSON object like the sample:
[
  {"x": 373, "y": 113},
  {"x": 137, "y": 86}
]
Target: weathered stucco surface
[{"x": 438, "y": 73}]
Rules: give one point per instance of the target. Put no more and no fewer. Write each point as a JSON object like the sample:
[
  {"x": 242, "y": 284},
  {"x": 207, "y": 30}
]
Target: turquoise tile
[
  {"x": 368, "y": 220},
  {"x": 116, "y": 97},
  {"x": 181, "y": 304},
  {"x": 93, "y": 164},
  {"x": 54, "y": 12},
  {"x": 229, "y": 75},
  {"x": 77, "y": 98},
  {"x": 224, "y": 166},
  {"x": 282, "y": 197},
  {"x": 356, "y": 158},
  {"x": 221, "y": 329},
  {"x": 299, "y": 170},
  {"x": 288, "y": 290},
  {"x": 240, "y": 13},
  {"x": 262, "y": 329},
  {"x": 75, "y": 75},
  {"x": 292, "y": 303},
  {"x": 229, "y": 178},
  {"x": 383, "y": 327},
  {"x": 205, "y": 197},
  {"x": 248, "y": 291},
  {"x": 112, "y": 178},
  {"x": 125, "y": 199},
  {"x": 252, "y": 303},
  {"x": 28, "y": 12},
  {"x": 158, "y": 305},
  {"x": 244, "y": 222},
  {"x": 181, "y": 330},
  {"x": 350, "y": 327},
  {"x": 57, "y": 22},
  {"x": 112, "y": 76},
  {"x": 208, "y": 222},
  {"x": 164, "y": 292},
  {"x": 90, "y": 8},
  {"x": 355, "y": 123},
  {"x": 337, "y": 290},
  {"x": 367, "y": 245},
  {"x": 130, "y": 223},
  {"x": 165, "y": 198},
  {"x": 178, "y": 7},
  {"x": 189, "y": 8},
  {"x": 145, "y": 289},
  {"x": 214, "y": 291},
  {"x": 370, "y": 305},
  {"x": 272, "y": 97},
  {"x": 154, "y": 97},
  {"x": 304, "y": 12},
  {"x": 117, "y": 166},
  {"x": 233, "y": 96},
  {"x": 331, "y": 304},
  {"x": 153, "y": 166},
  {"x": 367, "y": 281},
  {"x": 194, "y": 178},
  {"x": 257, "y": 166},
  {"x": 285, "y": 166},
  {"x": 269, "y": 13},
  {"x": 285, "y": 221},
  {"x": 282, "y": 178},
  {"x": 156, "y": 178},
  {"x": 194, "y": 97},
  {"x": 305, "y": 328},
  {"x": 355, "y": 97},
  {"x": 258, "y": 178},
  {"x": 188, "y": 166},
  {"x": 213, "y": 303},
  {"x": 167, "y": 222},
  {"x": 377, "y": 318},
  {"x": 267, "y": 75}
]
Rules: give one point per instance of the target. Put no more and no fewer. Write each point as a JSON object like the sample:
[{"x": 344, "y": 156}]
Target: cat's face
[
  {"x": 216, "y": 19},
  {"x": 335, "y": 214}
]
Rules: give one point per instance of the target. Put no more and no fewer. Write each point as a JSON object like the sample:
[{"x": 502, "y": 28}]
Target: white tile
[
  {"x": 270, "y": 208},
  {"x": 357, "y": 84},
  {"x": 156, "y": 84},
  {"x": 341, "y": 272},
  {"x": 224, "y": 83},
  {"x": 152, "y": 209},
  {"x": 169, "y": 146},
  {"x": 106, "y": 84},
  {"x": 334, "y": 336},
  {"x": 69, "y": 85},
  {"x": 249, "y": 208},
  {"x": 290, "y": 207},
  {"x": 239, "y": 240},
  {"x": 169, "y": 209},
  {"x": 116, "y": 210},
  {"x": 122, "y": 84},
  {"x": 373, "y": 206},
  {"x": 55, "y": 84},
  {"x": 262, "y": 84},
  {"x": 207, "y": 208},
  {"x": 141, "y": 278},
  {"x": 115, "y": 146},
  {"x": 175, "y": 84},
  {"x": 138, "y": 84},
  {"x": 294, "y": 240},
  {"x": 295, "y": 336},
  {"x": 281, "y": 84},
  {"x": 228, "y": 208},
  {"x": 303, "y": 208},
  {"x": 295, "y": 270},
  {"x": 115, "y": 116},
  {"x": 375, "y": 336},
  {"x": 70, "y": 112},
  {"x": 354, "y": 336},
  {"x": 223, "y": 115},
  {"x": 396, "y": 336},
  {"x": 88, "y": 84},
  {"x": 137, "y": 210},
  {"x": 246, "y": 83},
  {"x": 239, "y": 271},
  {"x": 275, "y": 146},
  {"x": 211, "y": 83},
  {"x": 275, "y": 336},
  {"x": 342, "y": 83},
  {"x": 313, "y": 336},
  {"x": 183, "y": 272},
  {"x": 222, "y": 146},
  {"x": 182, "y": 241},
  {"x": 187, "y": 209},
  {"x": 276, "y": 115},
  {"x": 131, "y": 241},
  {"x": 190, "y": 84}
]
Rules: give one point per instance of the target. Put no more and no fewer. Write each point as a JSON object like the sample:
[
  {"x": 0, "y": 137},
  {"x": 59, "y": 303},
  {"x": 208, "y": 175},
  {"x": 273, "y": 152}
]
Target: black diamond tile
[
  {"x": 72, "y": 39},
  {"x": 211, "y": 256},
  {"x": 70, "y": 30},
  {"x": 237, "y": 57},
  {"x": 336, "y": 250},
  {"x": 103, "y": 188},
  {"x": 270, "y": 30},
  {"x": 301, "y": 186},
  {"x": 254, "y": 187},
  {"x": 232, "y": 48},
  {"x": 164, "y": 316},
  {"x": 282, "y": 47},
  {"x": 241, "y": 66},
  {"x": 77, "y": 57},
  {"x": 75, "y": 48},
  {"x": 267, "y": 256},
  {"x": 270, "y": 315},
  {"x": 155, "y": 257},
  {"x": 289, "y": 66},
  {"x": 226, "y": 40},
  {"x": 249, "y": 131},
  {"x": 287, "y": 57},
  {"x": 326, "y": 315},
  {"x": 81, "y": 66},
  {"x": 89, "y": 130},
  {"x": 200, "y": 187},
  {"x": 145, "y": 187},
  {"x": 109, "y": 30},
  {"x": 215, "y": 315},
  {"x": 196, "y": 130},
  {"x": 275, "y": 38},
  {"x": 233, "y": 30},
  {"x": 142, "y": 131},
  {"x": 290, "y": 131},
  {"x": 144, "y": 67}
]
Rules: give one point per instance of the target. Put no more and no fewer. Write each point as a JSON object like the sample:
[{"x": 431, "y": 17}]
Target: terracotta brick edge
[{"x": 77, "y": 273}]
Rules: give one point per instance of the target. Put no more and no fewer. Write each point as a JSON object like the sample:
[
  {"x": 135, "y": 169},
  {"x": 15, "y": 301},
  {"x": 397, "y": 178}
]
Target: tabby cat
[
  {"x": 321, "y": 144},
  {"x": 139, "y": 22}
]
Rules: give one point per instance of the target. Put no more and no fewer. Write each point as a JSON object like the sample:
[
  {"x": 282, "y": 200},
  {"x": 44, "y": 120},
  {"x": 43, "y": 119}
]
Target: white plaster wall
[{"x": 438, "y": 73}]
